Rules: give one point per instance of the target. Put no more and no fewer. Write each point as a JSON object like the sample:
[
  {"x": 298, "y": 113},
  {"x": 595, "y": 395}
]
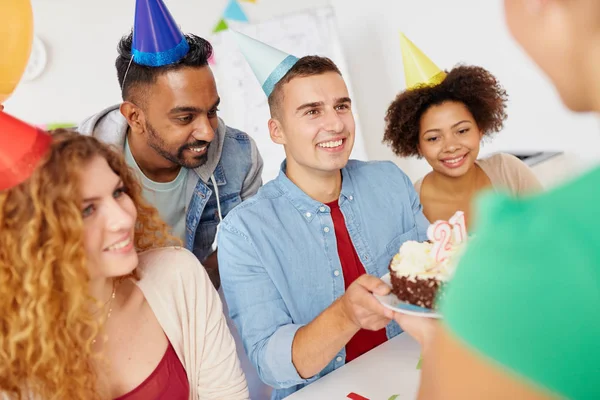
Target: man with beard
[{"x": 193, "y": 168}]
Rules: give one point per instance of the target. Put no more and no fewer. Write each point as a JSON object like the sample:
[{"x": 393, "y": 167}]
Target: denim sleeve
[
  {"x": 257, "y": 309},
  {"x": 253, "y": 180}
]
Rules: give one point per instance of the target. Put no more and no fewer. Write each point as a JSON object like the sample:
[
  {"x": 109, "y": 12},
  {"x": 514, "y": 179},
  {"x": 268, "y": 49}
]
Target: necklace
[{"x": 109, "y": 302}]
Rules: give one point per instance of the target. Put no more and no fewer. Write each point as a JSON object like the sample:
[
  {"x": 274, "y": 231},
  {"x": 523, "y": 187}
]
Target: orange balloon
[{"x": 16, "y": 36}]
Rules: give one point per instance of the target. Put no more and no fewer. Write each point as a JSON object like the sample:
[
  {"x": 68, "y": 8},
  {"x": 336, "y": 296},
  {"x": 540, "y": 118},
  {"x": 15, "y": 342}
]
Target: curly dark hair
[{"x": 475, "y": 87}]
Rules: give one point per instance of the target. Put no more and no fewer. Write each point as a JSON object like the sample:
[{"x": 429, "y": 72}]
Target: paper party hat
[
  {"x": 418, "y": 68},
  {"x": 21, "y": 148},
  {"x": 157, "y": 40},
  {"x": 268, "y": 63}
]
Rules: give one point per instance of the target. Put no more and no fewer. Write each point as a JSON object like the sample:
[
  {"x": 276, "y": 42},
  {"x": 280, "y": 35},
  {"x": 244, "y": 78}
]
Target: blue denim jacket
[
  {"x": 280, "y": 267},
  {"x": 237, "y": 175},
  {"x": 233, "y": 159}
]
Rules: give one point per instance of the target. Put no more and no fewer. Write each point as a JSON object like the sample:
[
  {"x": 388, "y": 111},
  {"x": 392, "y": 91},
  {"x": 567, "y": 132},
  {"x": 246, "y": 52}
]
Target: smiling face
[
  {"x": 449, "y": 138},
  {"x": 316, "y": 124},
  {"x": 109, "y": 217},
  {"x": 178, "y": 116}
]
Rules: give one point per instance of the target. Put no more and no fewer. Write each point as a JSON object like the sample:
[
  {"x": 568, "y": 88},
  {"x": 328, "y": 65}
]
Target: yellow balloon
[{"x": 16, "y": 36}]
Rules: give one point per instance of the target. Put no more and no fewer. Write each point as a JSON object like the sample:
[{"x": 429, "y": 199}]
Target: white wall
[{"x": 81, "y": 37}]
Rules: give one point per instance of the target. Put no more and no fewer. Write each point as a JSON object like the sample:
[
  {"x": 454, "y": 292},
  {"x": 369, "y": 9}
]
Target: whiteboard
[{"x": 243, "y": 103}]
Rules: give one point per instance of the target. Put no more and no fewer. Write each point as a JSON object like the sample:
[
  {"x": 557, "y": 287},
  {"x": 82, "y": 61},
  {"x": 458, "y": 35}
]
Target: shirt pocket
[{"x": 394, "y": 245}]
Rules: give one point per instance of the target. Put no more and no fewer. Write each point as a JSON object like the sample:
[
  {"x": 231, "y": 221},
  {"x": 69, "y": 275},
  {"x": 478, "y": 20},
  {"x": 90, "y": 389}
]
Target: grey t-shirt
[{"x": 167, "y": 197}]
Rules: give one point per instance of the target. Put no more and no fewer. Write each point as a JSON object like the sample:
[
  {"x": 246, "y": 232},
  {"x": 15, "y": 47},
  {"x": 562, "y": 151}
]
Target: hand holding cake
[{"x": 360, "y": 307}]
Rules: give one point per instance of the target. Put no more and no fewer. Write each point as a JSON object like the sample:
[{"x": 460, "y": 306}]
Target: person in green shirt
[{"x": 521, "y": 317}]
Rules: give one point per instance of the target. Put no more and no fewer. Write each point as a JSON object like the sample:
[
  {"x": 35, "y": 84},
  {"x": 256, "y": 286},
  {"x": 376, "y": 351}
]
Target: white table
[{"x": 377, "y": 375}]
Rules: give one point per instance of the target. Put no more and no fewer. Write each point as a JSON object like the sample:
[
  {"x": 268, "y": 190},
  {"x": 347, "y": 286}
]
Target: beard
[{"x": 177, "y": 156}]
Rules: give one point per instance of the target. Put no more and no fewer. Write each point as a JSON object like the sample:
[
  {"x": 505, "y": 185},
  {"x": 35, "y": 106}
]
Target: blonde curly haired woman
[{"x": 91, "y": 306}]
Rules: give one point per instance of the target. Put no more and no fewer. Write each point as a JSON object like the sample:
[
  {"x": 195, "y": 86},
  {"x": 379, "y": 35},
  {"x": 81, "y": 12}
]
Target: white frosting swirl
[{"x": 416, "y": 259}]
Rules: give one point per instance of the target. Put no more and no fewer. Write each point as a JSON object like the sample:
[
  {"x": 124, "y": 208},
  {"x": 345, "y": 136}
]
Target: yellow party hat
[{"x": 418, "y": 68}]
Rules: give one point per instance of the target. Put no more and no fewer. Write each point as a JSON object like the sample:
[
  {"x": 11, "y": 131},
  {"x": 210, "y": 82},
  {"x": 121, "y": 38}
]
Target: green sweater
[{"x": 527, "y": 291}]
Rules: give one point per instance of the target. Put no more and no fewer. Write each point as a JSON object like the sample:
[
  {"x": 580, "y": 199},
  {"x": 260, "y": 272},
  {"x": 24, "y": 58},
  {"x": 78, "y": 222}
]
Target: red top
[
  {"x": 168, "y": 381},
  {"x": 352, "y": 268}
]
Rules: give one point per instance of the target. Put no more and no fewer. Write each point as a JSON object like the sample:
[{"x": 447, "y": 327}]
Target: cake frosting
[
  {"x": 417, "y": 275},
  {"x": 416, "y": 260}
]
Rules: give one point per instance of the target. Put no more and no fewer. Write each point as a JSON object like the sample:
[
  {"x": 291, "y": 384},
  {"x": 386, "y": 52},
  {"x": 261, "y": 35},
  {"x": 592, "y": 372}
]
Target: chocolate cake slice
[
  {"x": 417, "y": 291},
  {"x": 416, "y": 276}
]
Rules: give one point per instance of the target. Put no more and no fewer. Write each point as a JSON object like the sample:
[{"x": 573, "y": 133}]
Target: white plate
[{"x": 391, "y": 301}]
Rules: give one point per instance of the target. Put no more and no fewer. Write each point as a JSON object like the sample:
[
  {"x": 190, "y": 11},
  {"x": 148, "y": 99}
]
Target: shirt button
[
  {"x": 338, "y": 359},
  {"x": 322, "y": 209},
  {"x": 350, "y": 198},
  {"x": 326, "y": 229},
  {"x": 308, "y": 215},
  {"x": 336, "y": 272}
]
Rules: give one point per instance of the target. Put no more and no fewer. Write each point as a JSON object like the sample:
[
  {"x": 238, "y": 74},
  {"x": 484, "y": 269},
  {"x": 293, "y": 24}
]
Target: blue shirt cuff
[{"x": 279, "y": 357}]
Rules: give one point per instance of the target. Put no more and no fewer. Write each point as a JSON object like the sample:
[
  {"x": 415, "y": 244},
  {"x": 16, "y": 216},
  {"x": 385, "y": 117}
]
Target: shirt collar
[
  {"x": 306, "y": 205},
  {"x": 347, "y": 186}
]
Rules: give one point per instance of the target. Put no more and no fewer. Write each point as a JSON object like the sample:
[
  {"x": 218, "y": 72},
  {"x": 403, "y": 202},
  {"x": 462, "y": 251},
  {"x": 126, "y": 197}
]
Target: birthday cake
[{"x": 420, "y": 269}]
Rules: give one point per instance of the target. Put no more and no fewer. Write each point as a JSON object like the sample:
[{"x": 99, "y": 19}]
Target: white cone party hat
[{"x": 268, "y": 63}]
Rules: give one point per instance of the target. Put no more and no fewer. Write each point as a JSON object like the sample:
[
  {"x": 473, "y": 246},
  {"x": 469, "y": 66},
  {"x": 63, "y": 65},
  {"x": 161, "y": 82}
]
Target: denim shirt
[{"x": 280, "y": 267}]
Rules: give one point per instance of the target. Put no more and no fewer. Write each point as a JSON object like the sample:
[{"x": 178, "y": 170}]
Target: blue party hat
[
  {"x": 157, "y": 40},
  {"x": 268, "y": 63}
]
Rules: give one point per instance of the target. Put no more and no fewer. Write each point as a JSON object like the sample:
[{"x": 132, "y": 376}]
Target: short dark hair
[
  {"x": 475, "y": 87},
  {"x": 306, "y": 66},
  {"x": 198, "y": 55}
]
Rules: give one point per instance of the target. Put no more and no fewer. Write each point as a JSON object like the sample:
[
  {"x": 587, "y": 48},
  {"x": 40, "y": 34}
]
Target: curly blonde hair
[{"x": 46, "y": 322}]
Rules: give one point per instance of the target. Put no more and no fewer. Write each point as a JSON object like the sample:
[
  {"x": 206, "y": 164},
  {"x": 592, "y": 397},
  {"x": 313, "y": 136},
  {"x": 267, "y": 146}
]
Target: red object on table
[{"x": 355, "y": 396}]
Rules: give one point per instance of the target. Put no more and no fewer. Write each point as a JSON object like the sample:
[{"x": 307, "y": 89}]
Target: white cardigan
[{"x": 190, "y": 312}]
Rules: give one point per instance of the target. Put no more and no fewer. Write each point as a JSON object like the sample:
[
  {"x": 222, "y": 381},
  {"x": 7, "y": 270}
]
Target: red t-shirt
[{"x": 352, "y": 268}]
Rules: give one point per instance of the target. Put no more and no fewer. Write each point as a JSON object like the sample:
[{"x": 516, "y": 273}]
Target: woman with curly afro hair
[
  {"x": 92, "y": 306},
  {"x": 445, "y": 124}
]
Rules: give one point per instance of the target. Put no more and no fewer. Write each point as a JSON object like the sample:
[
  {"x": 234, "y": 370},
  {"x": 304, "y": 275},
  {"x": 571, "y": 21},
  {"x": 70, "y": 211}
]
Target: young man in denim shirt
[{"x": 301, "y": 260}]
